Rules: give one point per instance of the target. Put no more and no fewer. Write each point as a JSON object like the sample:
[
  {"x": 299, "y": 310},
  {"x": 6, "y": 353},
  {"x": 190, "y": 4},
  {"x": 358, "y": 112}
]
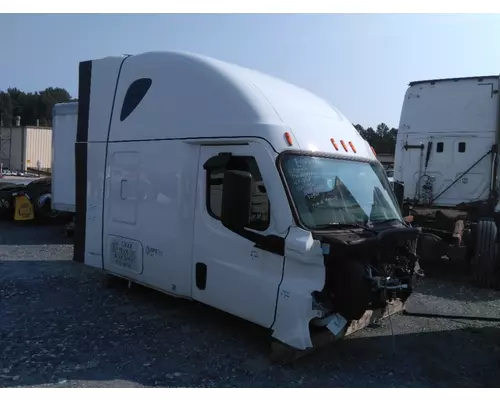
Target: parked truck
[
  {"x": 64, "y": 121},
  {"x": 447, "y": 158},
  {"x": 50, "y": 197},
  {"x": 219, "y": 184}
]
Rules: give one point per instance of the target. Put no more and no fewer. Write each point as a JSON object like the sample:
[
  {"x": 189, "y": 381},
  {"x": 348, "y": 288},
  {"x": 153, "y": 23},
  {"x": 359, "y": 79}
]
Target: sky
[{"x": 360, "y": 63}]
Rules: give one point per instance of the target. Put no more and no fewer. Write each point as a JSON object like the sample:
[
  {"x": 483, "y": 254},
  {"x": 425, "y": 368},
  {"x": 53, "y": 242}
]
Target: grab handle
[{"x": 121, "y": 189}]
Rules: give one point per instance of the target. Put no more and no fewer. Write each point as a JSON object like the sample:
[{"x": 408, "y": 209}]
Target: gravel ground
[{"x": 58, "y": 327}]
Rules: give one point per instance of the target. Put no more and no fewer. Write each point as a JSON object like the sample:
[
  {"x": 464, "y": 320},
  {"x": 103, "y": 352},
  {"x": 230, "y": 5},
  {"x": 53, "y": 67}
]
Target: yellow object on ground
[{"x": 23, "y": 209}]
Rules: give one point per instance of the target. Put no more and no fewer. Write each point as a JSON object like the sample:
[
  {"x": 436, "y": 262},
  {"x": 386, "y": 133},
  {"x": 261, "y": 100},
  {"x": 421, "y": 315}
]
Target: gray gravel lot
[{"x": 58, "y": 327}]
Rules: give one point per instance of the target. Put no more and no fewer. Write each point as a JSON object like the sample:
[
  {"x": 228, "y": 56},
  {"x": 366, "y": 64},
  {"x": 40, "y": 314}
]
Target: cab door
[
  {"x": 230, "y": 272},
  {"x": 453, "y": 156}
]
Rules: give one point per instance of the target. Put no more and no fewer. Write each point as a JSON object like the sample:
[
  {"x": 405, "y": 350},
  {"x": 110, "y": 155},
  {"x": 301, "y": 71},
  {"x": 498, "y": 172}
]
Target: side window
[
  {"x": 259, "y": 219},
  {"x": 135, "y": 93},
  {"x": 461, "y": 147},
  {"x": 439, "y": 147}
]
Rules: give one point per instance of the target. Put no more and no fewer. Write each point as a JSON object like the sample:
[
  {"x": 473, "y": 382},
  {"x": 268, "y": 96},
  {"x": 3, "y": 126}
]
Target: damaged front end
[
  {"x": 365, "y": 272},
  {"x": 349, "y": 226}
]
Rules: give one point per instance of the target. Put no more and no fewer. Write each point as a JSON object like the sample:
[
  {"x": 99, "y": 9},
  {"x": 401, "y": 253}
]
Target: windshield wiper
[{"x": 338, "y": 225}]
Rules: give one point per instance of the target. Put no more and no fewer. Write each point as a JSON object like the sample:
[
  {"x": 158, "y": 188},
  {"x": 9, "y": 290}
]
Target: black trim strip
[
  {"x": 80, "y": 202},
  {"x": 85, "y": 76},
  {"x": 82, "y": 134}
]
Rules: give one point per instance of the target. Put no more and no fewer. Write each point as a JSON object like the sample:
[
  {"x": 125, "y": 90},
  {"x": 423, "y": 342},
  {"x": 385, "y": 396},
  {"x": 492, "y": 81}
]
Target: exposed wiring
[{"x": 419, "y": 188}]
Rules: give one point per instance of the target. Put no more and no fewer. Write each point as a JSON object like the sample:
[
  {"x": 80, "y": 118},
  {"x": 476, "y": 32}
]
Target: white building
[{"x": 26, "y": 147}]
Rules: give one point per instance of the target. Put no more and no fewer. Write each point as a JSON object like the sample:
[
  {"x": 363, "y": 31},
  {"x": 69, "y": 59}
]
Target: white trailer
[
  {"x": 219, "y": 184},
  {"x": 447, "y": 158},
  {"x": 64, "y": 125}
]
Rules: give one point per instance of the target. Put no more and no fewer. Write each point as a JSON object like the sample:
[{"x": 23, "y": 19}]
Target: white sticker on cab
[{"x": 125, "y": 254}]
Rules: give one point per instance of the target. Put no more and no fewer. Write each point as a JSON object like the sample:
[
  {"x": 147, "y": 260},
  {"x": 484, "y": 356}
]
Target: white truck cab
[
  {"x": 216, "y": 183},
  {"x": 447, "y": 159},
  {"x": 446, "y": 142}
]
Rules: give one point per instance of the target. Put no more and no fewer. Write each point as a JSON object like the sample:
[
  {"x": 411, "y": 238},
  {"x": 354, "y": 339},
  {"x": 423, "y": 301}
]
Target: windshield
[{"x": 329, "y": 191}]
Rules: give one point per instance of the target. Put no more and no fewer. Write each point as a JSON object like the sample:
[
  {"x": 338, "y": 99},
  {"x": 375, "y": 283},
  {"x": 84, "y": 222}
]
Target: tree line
[
  {"x": 382, "y": 139},
  {"x": 33, "y": 107},
  {"x": 36, "y": 107}
]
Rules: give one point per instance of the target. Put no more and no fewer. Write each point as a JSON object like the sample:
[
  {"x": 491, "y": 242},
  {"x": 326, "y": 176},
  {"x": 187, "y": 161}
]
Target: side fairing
[{"x": 304, "y": 274}]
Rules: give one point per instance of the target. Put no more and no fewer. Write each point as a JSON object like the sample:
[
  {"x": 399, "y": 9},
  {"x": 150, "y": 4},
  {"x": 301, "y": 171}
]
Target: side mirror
[
  {"x": 236, "y": 200},
  {"x": 399, "y": 192}
]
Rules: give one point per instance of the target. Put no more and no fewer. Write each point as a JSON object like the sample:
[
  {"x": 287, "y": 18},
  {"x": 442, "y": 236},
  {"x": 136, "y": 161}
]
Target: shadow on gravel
[
  {"x": 31, "y": 233},
  {"x": 468, "y": 357},
  {"x": 454, "y": 269},
  {"x": 64, "y": 330},
  {"x": 441, "y": 291}
]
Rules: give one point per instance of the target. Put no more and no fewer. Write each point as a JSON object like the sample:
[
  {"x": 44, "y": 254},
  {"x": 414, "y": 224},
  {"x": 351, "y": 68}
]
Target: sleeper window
[
  {"x": 461, "y": 147},
  {"x": 135, "y": 93},
  {"x": 259, "y": 217},
  {"x": 439, "y": 147}
]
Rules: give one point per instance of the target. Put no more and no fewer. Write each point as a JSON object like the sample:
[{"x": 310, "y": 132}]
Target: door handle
[{"x": 121, "y": 189}]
